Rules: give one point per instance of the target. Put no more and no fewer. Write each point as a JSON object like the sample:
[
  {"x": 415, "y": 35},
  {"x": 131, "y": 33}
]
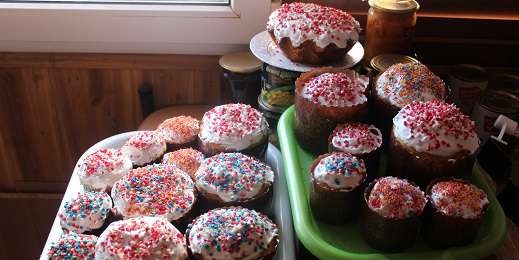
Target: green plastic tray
[{"x": 345, "y": 241}]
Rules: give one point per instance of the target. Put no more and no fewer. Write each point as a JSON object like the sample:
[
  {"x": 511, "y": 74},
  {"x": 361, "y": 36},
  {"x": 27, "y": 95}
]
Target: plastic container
[
  {"x": 280, "y": 208},
  {"x": 345, "y": 241}
]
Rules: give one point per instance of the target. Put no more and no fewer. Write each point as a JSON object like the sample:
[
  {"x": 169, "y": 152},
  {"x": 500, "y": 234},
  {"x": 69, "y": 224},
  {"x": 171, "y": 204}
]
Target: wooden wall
[{"x": 54, "y": 106}]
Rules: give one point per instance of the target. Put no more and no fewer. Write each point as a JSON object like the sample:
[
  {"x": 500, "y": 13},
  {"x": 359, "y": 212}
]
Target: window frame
[{"x": 130, "y": 28}]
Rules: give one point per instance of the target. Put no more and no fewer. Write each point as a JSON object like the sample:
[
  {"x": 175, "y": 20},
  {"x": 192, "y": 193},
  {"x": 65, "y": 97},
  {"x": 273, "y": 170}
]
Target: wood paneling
[{"x": 54, "y": 106}]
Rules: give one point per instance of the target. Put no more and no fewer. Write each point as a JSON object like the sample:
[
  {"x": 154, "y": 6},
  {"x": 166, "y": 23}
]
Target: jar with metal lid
[
  {"x": 492, "y": 104},
  {"x": 382, "y": 62},
  {"x": 467, "y": 82},
  {"x": 243, "y": 73},
  {"x": 390, "y": 27}
]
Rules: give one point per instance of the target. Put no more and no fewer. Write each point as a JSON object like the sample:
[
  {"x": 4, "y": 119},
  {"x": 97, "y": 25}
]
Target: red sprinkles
[
  {"x": 458, "y": 199},
  {"x": 237, "y": 120},
  {"x": 349, "y": 137},
  {"x": 187, "y": 160},
  {"x": 329, "y": 88},
  {"x": 179, "y": 129},
  {"x": 145, "y": 139},
  {"x": 103, "y": 161},
  {"x": 396, "y": 198}
]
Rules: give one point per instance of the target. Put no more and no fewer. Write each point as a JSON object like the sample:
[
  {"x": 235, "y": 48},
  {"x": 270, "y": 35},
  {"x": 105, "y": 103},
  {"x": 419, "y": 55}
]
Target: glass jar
[{"x": 390, "y": 27}]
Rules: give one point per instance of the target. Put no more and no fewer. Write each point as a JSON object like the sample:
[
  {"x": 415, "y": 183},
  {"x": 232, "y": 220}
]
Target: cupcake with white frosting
[
  {"x": 179, "y": 132},
  {"x": 337, "y": 182},
  {"x": 234, "y": 179},
  {"x": 72, "y": 246},
  {"x": 359, "y": 139},
  {"x": 86, "y": 212},
  {"x": 454, "y": 214},
  {"x": 232, "y": 233},
  {"x": 233, "y": 128},
  {"x": 326, "y": 97},
  {"x": 155, "y": 190},
  {"x": 141, "y": 238},
  {"x": 432, "y": 139},
  {"x": 101, "y": 169},
  {"x": 187, "y": 160},
  {"x": 145, "y": 147},
  {"x": 312, "y": 33}
]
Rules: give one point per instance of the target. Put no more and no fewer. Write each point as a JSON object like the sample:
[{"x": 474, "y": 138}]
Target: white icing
[
  {"x": 241, "y": 133},
  {"x": 370, "y": 141},
  {"x": 101, "y": 169},
  {"x": 85, "y": 212},
  {"x": 154, "y": 147},
  {"x": 290, "y": 27},
  {"x": 452, "y": 204},
  {"x": 179, "y": 130},
  {"x": 146, "y": 238},
  {"x": 344, "y": 89},
  {"x": 340, "y": 171}
]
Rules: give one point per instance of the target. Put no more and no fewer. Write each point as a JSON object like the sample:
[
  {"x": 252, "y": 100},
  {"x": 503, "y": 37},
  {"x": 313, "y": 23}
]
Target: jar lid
[
  {"x": 395, "y": 6},
  {"x": 383, "y": 61},
  {"x": 469, "y": 72},
  {"x": 240, "y": 62}
]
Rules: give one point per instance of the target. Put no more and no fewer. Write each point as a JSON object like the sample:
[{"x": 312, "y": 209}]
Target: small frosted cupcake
[
  {"x": 73, "y": 246},
  {"x": 155, "y": 190},
  {"x": 187, "y": 160},
  {"x": 99, "y": 170},
  {"x": 454, "y": 214},
  {"x": 337, "y": 182},
  {"x": 179, "y": 132},
  {"x": 234, "y": 179},
  {"x": 391, "y": 214},
  {"x": 141, "y": 238},
  {"x": 401, "y": 84},
  {"x": 232, "y": 233},
  {"x": 324, "y": 98},
  {"x": 86, "y": 212},
  {"x": 234, "y": 128},
  {"x": 362, "y": 140},
  {"x": 432, "y": 139},
  {"x": 145, "y": 147}
]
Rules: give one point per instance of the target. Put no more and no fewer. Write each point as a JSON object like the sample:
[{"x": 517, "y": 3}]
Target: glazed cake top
[
  {"x": 86, "y": 211},
  {"x": 356, "y": 138},
  {"x": 144, "y": 147},
  {"x": 154, "y": 190},
  {"x": 340, "y": 171},
  {"x": 141, "y": 238},
  {"x": 403, "y": 83},
  {"x": 458, "y": 199},
  {"x": 336, "y": 89},
  {"x": 72, "y": 246},
  {"x": 231, "y": 233},
  {"x": 307, "y": 21},
  {"x": 233, "y": 176},
  {"x": 435, "y": 127},
  {"x": 179, "y": 130},
  {"x": 396, "y": 198},
  {"x": 102, "y": 168},
  {"x": 187, "y": 159},
  {"x": 235, "y": 126}
]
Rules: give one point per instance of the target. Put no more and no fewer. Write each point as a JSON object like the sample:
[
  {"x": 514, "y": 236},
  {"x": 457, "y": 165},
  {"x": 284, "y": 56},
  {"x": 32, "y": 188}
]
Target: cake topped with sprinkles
[
  {"x": 232, "y": 233},
  {"x": 356, "y": 138},
  {"x": 145, "y": 238},
  {"x": 72, "y": 246},
  {"x": 144, "y": 147},
  {"x": 99, "y": 170},
  {"x": 457, "y": 198},
  {"x": 435, "y": 127},
  {"x": 339, "y": 171},
  {"x": 86, "y": 211},
  {"x": 403, "y": 83},
  {"x": 234, "y": 126},
  {"x": 179, "y": 130},
  {"x": 396, "y": 198},
  {"x": 336, "y": 89},
  {"x": 233, "y": 177},
  {"x": 187, "y": 160},
  {"x": 154, "y": 190},
  {"x": 322, "y": 25}
]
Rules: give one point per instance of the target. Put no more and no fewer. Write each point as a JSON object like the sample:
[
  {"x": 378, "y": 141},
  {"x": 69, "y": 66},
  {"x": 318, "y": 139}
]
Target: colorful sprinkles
[
  {"x": 356, "y": 138},
  {"x": 340, "y": 170},
  {"x": 144, "y": 140},
  {"x": 72, "y": 246},
  {"x": 403, "y": 83},
  {"x": 231, "y": 233},
  {"x": 335, "y": 89},
  {"x": 154, "y": 190},
  {"x": 458, "y": 199},
  {"x": 187, "y": 160},
  {"x": 396, "y": 198},
  {"x": 236, "y": 120},
  {"x": 180, "y": 129},
  {"x": 86, "y": 211},
  {"x": 101, "y": 162},
  {"x": 233, "y": 176}
]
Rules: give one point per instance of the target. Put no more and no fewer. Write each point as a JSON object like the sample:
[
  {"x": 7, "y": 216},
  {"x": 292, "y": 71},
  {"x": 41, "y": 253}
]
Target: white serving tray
[
  {"x": 262, "y": 46},
  {"x": 280, "y": 207}
]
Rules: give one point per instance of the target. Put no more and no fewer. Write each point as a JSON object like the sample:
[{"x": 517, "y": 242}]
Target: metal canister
[
  {"x": 492, "y": 104},
  {"x": 467, "y": 83},
  {"x": 272, "y": 114},
  {"x": 277, "y": 86}
]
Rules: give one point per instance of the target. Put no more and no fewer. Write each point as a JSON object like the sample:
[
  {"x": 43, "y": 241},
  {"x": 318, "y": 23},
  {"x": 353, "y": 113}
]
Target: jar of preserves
[{"x": 390, "y": 27}]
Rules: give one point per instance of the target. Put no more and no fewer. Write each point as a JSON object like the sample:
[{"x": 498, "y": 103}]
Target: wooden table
[{"x": 509, "y": 250}]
